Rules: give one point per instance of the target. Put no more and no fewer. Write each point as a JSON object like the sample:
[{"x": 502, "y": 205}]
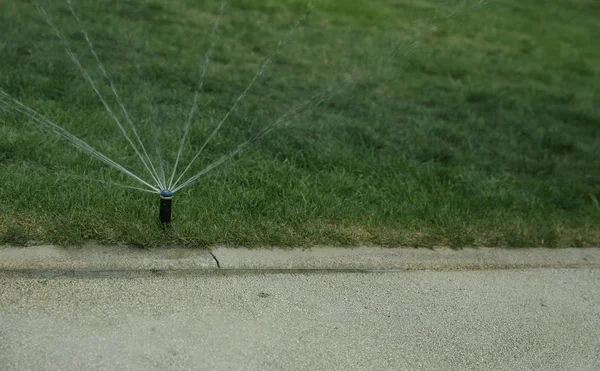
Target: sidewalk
[{"x": 99, "y": 308}]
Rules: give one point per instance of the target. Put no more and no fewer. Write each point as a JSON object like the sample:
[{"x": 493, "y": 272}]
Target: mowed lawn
[{"x": 457, "y": 123}]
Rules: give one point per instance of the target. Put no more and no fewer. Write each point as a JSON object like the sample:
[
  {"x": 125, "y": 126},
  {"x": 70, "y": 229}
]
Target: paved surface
[
  {"x": 543, "y": 318},
  {"x": 97, "y": 257},
  {"x": 94, "y": 258},
  {"x": 103, "y": 307},
  {"x": 404, "y": 258}
]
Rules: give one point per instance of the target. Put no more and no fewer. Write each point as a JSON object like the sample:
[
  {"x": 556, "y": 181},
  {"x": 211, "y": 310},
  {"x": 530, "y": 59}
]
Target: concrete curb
[
  {"x": 377, "y": 258},
  {"x": 108, "y": 259},
  {"x": 103, "y": 258}
]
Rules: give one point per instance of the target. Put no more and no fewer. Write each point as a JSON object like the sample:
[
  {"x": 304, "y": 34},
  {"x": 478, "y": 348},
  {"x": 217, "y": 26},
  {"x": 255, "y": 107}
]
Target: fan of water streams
[{"x": 159, "y": 177}]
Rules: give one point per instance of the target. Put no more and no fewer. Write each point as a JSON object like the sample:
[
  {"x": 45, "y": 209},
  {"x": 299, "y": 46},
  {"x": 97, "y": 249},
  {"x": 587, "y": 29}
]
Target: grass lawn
[{"x": 483, "y": 129}]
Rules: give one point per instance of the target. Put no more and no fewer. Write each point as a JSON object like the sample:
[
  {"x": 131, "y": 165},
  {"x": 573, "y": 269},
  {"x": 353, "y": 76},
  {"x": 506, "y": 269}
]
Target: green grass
[{"x": 486, "y": 132}]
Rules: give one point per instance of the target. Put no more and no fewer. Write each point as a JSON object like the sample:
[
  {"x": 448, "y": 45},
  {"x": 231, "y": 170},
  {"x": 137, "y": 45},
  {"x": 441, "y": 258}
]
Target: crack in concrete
[{"x": 216, "y": 260}]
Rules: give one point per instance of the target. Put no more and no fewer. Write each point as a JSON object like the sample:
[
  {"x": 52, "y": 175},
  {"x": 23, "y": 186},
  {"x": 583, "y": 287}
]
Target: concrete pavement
[
  {"x": 543, "y": 314},
  {"x": 104, "y": 259}
]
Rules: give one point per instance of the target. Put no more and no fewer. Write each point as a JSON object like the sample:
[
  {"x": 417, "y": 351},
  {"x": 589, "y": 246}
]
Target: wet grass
[{"x": 484, "y": 132}]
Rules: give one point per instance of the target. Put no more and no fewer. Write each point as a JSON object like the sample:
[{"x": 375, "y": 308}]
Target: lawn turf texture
[{"x": 482, "y": 129}]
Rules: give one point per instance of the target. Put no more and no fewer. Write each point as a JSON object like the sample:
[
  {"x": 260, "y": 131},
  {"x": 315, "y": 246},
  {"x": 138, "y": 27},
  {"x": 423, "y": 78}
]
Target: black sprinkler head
[{"x": 166, "y": 198}]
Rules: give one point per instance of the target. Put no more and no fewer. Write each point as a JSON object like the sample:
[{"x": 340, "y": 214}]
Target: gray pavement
[
  {"x": 538, "y": 316},
  {"x": 93, "y": 258}
]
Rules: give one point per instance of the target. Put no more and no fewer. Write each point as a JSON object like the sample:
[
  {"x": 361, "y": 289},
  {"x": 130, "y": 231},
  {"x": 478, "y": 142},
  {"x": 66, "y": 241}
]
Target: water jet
[{"x": 154, "y": 180}]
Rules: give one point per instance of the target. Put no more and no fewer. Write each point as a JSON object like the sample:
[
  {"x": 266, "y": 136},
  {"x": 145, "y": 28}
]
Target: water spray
[
  {"x": 166, "y": 199},
  {"x": 158, "y": 184}
]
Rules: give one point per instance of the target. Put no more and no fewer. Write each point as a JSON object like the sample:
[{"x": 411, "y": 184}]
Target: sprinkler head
[{"x": 166, "y": 198}]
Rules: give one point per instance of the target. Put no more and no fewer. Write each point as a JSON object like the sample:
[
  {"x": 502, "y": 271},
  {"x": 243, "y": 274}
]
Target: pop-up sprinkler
[{"x": 166, "y": 198}]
